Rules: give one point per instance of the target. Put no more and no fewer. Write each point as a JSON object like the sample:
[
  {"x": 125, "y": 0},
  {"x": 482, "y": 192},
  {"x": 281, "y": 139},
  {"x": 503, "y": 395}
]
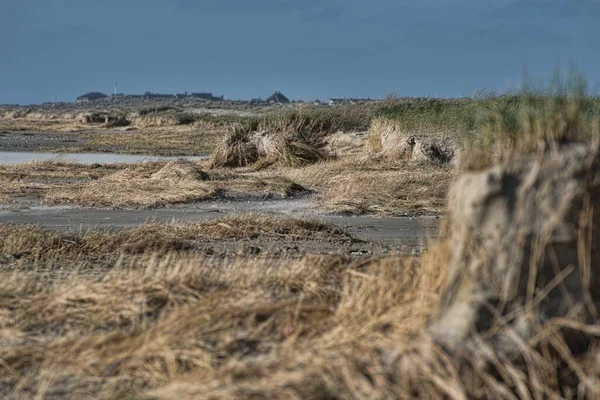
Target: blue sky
[{"x": 305, "y": 48}]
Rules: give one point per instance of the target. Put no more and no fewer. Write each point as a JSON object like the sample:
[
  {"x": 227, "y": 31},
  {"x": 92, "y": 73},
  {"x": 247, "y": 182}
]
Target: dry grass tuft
[
  {"x": 268, "y": 227},
  {"x": 262, "y": 149},
  {"x": 290, "y": 138}
]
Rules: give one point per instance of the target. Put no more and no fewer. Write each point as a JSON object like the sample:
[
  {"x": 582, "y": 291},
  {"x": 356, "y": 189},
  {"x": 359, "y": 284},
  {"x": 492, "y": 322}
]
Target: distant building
[
  {"x": 203, "y": 96},
  {"x": 91, "y": 96},
  {"x": 334, "y": 102},
  {"x": 206, "y": 96},
  {"x": 256, "y": 101},
  {"x": 150, "y": 95},
  {"x": 277, "y": 98}
]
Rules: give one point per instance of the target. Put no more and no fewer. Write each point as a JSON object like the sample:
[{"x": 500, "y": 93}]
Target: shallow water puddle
[{"x": 15, "y": 157}]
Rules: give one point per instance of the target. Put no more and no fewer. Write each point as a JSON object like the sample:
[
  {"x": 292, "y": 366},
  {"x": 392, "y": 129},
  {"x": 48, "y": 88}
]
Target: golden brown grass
[
  {"x": 100, "y": 320},
  {"x": 142, "y": 185},
  {"x": 160, "y": 184},
  {"x": 186, "y": 140},
  {"x": 269, "y": 227},
  {"x": 35, "y": 179},
  {"x": 147, "y": 184},
  {"x": 26, "y": 244},
  {"x": 368, "y": 185},
  {"x": 350, "y": 184},
  {"x": 172, "y": 140},
  {"x": 143, "y": 322},
  {"x": 261, "y": 149},
  {"x": 49, "y": 124},
  {"x": 170, "y": 324}
]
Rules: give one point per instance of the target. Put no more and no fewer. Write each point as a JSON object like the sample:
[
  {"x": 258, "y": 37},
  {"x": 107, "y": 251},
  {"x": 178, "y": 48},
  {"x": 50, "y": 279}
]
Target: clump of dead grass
[
  {"x": 260, "y": 149},
  {"x": 291, "y": 138},
  {"x": 268, "y": 227}
]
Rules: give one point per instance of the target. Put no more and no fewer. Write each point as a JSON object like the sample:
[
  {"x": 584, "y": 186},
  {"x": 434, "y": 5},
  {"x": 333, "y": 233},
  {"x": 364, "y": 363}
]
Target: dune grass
[
  {"x": 358, "y": 185},
  {"x": 293, "y": 137},
  {"x": 121, "y": 331},
  {"x": 139, "y": 314},
  {"x": 148, "y": 185},
  {"x": 159, "y": 321}
]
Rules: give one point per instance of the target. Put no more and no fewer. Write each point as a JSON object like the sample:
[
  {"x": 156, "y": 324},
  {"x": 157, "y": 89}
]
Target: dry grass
[
  {"x": 261, "y": 149},
  {"x": 27, "y": 244},
  {"x": 164, "y": 324},
  {"x": 141, "y": 323},
  {"x": 198, "y": 138},
  {"x": 148, "y": 184},
  {"x": 155, "y": 185},
  {"x": 390, "y": 140},
  {"x": 142, "y": 185},
  {"x": 368, "y": 185},
  {"x": 350, "y": 184},
  {"x": 268, "y": 227},
  {"x": 184, "y": 140},
  {"x": 128, "y": 315},
  {"x": 292, "y": 137},
  {"x": 35, "y": 179}
]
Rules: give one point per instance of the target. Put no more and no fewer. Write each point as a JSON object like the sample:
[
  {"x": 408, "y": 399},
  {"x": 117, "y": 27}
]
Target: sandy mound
[{"x": 110, "y": 120}]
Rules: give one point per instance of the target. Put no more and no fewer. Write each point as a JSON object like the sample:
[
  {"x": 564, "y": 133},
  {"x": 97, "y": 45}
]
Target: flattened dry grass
[
  {"x": 268, "y": 227},
  {"x": 364, "y": 185},
  {"x": 26, "y": 244},
  {"x": 146, "y": 185},
  {"x": 187, "y": 140},
  {"x": 141, "y": 185},
  {"x": 36, "y": 178}
]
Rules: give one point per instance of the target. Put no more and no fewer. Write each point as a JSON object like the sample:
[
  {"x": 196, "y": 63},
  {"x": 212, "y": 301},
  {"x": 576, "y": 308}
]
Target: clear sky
[{"x": 305, "y": 48}]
